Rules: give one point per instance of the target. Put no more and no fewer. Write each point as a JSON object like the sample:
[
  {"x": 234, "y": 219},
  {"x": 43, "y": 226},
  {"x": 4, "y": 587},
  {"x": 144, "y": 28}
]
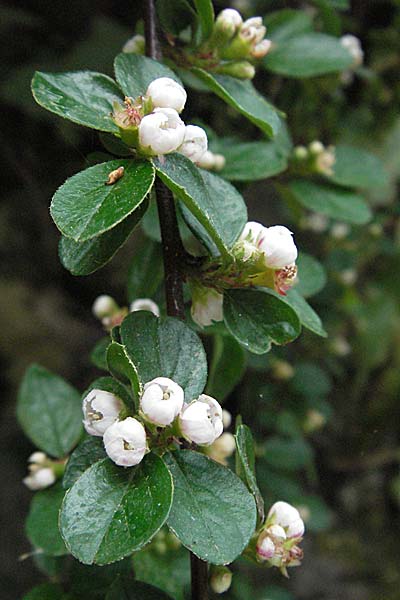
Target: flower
[
  {"x": 220, "y": 579},
  {"x": 206, "y": 306},
  {"x": 165, "y": 92},
  {"x": 209, "y": 161},
  {"x": 201, "y": 420},
  {"x": 265, "y": 547},
  {"x": 145, "y": 304},
  {"x": 162, "y": 401},
  {"x": 40, "y": 479},
  {"x": 161, "y": 132},
  {"x": 288, "y": 517},
  {"x": 135, "y": 45},
  {"x": 353, "y": 45},
  {"x": 226, "y": 25},
  {"x": 101, "y": 409},
  {"x": 222, "y": 448},
  {"x": 104, "y": 306},
  {"x": 278, "y": 246},
  {"x": 125, "y": 442},
  {"x": 194, "y": 143},
  {"x": 253, "y": 30}
]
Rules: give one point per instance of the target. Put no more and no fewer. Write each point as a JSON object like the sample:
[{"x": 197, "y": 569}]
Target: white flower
[
  {"x": 125, "y": 442},
  {"x": 222, "y": 448},
  {"x": 288, "y": 517},
  {"x": 104, "y": 306},
  {"x": 161, "y": 132},
  {"x": 135, "y": 45},
  {"x": 40, "y": 479},
  {"x": 353, "y": 45},
  {"x": 201, "y": 420},
  {"x": 165, "y": 92},
  {"x": 229, "y": 19},
  {"x": 206, "y": 306},
  {"x": 100, "y": 409},
  {"x": 261, "y": 49},
  {"x": 194, "y": 143},
  {"x": 162, "y": 400},
  {"x": 253, "y": 30},
  {"x": 278, "y": 246},
  {"x": 145, "y": 304},
  {"x": 251, "y": 231},
  {"x": 265, "y": 547}
]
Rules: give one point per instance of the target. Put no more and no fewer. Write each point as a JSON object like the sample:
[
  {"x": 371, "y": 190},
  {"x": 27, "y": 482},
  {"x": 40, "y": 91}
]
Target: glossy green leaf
[
  {"x": 311, "y": 275},
  {"x": 212, "y": 513},
  {"x": 165, "y": 347},
  {"x": 245, "y": 466},
  {"x": 121, "y": 367},
  {"x": 127, "y": 588},
  {"x": 259, "y": 318},
  {"x": 46, "y": 591},
  {"x": 156, "y": 567},
  {"x": 307, "y": 315},
  {"x": 308, "y": 55},
  {"x": 244, "y": 97},
  {"x": 89, "y": 451},
  {"x": 145, "y": 271},
  {"x": 205, "y": 10},
  {"x": 227, "y": 367},
  {"x": 49, "y": 411},
  {"x": 355, "y": 167},
  {"x": 111, "y": 512},
  {"x": 42, "y": 522},
  {"x": 134, "y": 73},
  {"x": 331, "y": 201},
  {"x": 284, "y": 25},
  {"x": 98, "y": 354},
  {"x": 250, "y": 161},
  {"x": 204, "y": 194},
  {"x": 83, "y": 258},
  {"x": 84, "y": 207},
  {"x": 83, "y": 97}
]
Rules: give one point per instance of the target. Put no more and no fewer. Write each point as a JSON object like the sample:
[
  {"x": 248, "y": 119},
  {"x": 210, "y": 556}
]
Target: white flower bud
[
  {"x": 353, "y": 45},
  {"x": 100, "y": 409},
  {"x": 348, "y": 276},
  {"x": 40, "y": 479},
  {"x": 219, "y": 162},
  {"x": 165, "y": 92},
  {"x": 278, "y": 246},
  {"x": 261, "y": 49},
  {"x": 229, "y": 18},
  {"x": 135, "y": 45},
  {"x": 161, "y": 132},
  {"x": 340, "y": 230},
  {"x": 145, "y": 304},
  {"x": 300, "y": 152},
  {"x": 104, "y": 306},
  {"x": 324, "y": 161},
  {"x": 125, "y": 442},
  {"x": 253, "y": 29},
  {"x": 220, "y": 580},
  {"x": 194, "y": 143},
  {"x": 162, "y": 401},
  {"x": 206, "y": 306},
  {"x": 201, "y": 420},
  {"x": 265, "y": 547},
  {"x": 251, "y": 231},
  {"x": 226, "y": 418},
  {"x": 277, "y": 531},
  {"x": 316, "y": 147},
  {"x": 340, "y": 346},
  {"x": 38, "y": 458},
  {"x": 209, "y": 161},
  {"x": 288, "y": 517},
  {"x": 315, "y": 222},
  {"x": 222, "y": 448}
]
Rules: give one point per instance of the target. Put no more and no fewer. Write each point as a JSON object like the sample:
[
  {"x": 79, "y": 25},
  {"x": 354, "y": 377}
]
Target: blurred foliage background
[{"x": 325, "y": 412}]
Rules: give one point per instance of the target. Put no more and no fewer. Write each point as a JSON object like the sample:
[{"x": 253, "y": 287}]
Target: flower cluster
[
  {"x": 283, "y": 530},
  {"x": 106, "y": 309},
  {"x": 43, "y": 471},
  {"x": 162, "y": 409},
  {"x": 314, "y": 159}
]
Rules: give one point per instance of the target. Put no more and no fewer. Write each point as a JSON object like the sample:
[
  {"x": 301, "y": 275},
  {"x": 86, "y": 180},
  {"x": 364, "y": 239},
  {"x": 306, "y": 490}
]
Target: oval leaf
[
  {"x": 355, "y": 167},
  {"x": 121, "y": 367},
  {"x": 307, "y": 315},
  {"x": 134, "y": 73},
  {"x": 111, "y": 512},
  {"x": 98, "y": 354},
  {"x": 250, "y": 161},
  {"x": 145, "y": 271},
  {"x": 127, "y": 588},
  {"x": 42, "y": 522},
  {"x": 245, "y": 466},
  {"x": 311, "y": 275},
  {"x": 228, "y": 365},
  {"x": 89, "y": 451}
]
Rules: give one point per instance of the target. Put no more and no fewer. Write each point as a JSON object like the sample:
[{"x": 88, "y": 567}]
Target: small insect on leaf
[{"x": 114, "y": 176}]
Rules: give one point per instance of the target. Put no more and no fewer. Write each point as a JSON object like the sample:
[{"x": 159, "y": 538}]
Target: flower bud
[
  {"x": 300, "y": 152},
  {"x": 145, "y": 304},
  {"x": 253, "y": 29},
  {"x": 101, "y": 409},
  {"x": 206, "y": 306},
  {"x": 165, "y": 92},
  {"x": 162, "y": 401},
  {"x": 241, "y": 69},
  {"x": 282, "y": 370},
  {"x": 315, "y": 222},
  {"x": 288, "y": 517},
  {"x": 104, "y": 306},
  {"x": 353, "y": 45},
  {"x": 324, "y": 162},
  {"x": 278, "y": 246},
  {"x": 40, "y": 479},
  {"x": 161, "y": 132},
  {"x": 265, "y": 548},
  {"x": 340, "y": 230},
  {"x": 316, "y": 147},
  {"x": 135, "y": 45},
  {"x": 221, "y": 579},
  {"x": 209, "y": 161},
  {"x": 261, "y": 49},
  {"x": 226, "y": 25},
  {"x": 194, "y": 143},
  {"x": 125, "y": 442},
  {"x": 226, "y": 418},
  {"x": 201, "y": 420},
  {"x": 222, "y": 448},
  {"x": 219, "y": 162},
  {"x": 38, "y": 458}
]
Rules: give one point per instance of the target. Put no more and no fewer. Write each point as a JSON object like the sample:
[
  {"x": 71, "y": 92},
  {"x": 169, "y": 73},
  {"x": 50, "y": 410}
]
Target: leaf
[
  {"x": 49, "y": 411},
  {"x": 90, "y": 582},
  {"x": 287, "y": 454},
  {"x": 129, "y": 589},
  {"x": 89, "y": 451},
  {"x": 83, "y": 258},
  {"x": 46, "y": 591},
  {"x": 243, "y": 96},
  {"x": 308, "y": 317},
  {"x": 311, "y": 275},
  {"x": 83, "y": 97},
  {"x": 98, "y": 354},
  {"x": 259, "y": 318},
  {"x": 42, "y": 522},
  {"x": 245, "y": 466},
  {"x": 308, "y": 55},
  {"x": 84, "y": 207},
  {"x": 134, "y": 73},
  {"x": 212, "y": 514},
  {"x": 331, "y": 201},
  {"x": 146, "y": 271},
  {"x": 250, "y": 161},
  {"x": 121, "y": 367},
  {"x": 165, "y": 347},
  {"x": 153, "y": 567},
  {"x": 228, "y": 364},
  {"x": 175, "y": 15},
  {"x": 111, "y": 512},
  {"x": 355, "y": 167},
  {"x": 205, "y": 10},
  {"x": 284, "y": 25},
  {"x": 204, "y": 195}
]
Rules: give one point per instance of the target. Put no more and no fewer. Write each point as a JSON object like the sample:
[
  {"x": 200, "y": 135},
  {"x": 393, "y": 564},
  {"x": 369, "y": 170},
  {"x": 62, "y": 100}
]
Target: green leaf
[
  {"x": 175, "y": 15},
  {"x": 121, "y": 367},
  {"x": 331, "y": 201},
  {"x": 204, "y": 195},
  {"x": 244, "y": 97},
  {"x": 250, "y": 161},
  {"x": 165, "y": 347},
  {"x": 134, "y": 73},
  {"x": 111, "y": 512},
  {"x": 146, "y": 271},
  {"x": 227, "y": 367},
  {"x": 245, "y": 466},
  {"x": 283, "y": 25},
  {"x": 90, "y": 582},
  {"x": 308, "y": 55},
  {"x": 205, "y": 10},
  {"x": 311, "y": 275},
  {"x": 83, "y": 97},
  {"x": 212, "y": 513},
  {"x": 152, "y": 566},
  {"x": 98, "y": 354},
  {"x": 355, "y": 167},
  {"x": 259, "y": 318},
  {"x": 287, "y": 454},
  {"x": 83, "y": 258},
  {"x": 308, "y": 317},
  {"x": 89, "y": 451},
  {"x": 84, "y": 207},
  {"x": 46, "y": 591},
  {"x": 49, "y": 411},
  {"x": 126, "y": 588},
  {"x": 42, "y": 522}
]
